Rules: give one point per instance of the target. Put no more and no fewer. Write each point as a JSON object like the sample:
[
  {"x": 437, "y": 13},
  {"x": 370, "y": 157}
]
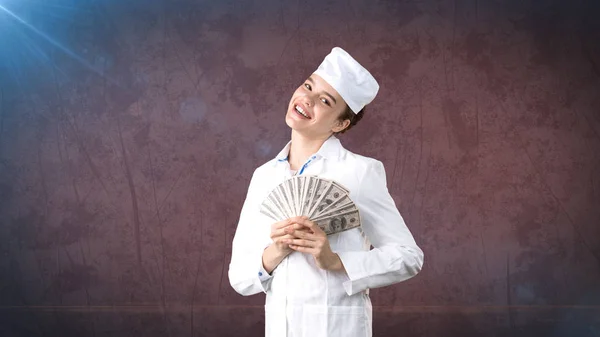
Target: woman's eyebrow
[
  {"x": 326, "y": 93},
  {"x": 333, "y": 99}
]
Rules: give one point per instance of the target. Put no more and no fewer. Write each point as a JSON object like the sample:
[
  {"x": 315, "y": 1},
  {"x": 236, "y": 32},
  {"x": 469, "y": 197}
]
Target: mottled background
[{"x": 129, "y": 131}]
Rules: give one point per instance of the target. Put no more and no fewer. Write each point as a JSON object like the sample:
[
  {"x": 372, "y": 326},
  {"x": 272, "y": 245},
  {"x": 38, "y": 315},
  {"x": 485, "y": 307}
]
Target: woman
[{"x": 317, "y": 284}]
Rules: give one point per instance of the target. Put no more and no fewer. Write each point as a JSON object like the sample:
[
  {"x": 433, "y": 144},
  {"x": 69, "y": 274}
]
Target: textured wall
[{"x": 129, "y": 131}]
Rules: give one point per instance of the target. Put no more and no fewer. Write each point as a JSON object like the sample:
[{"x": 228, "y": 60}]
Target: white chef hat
[{"x": 350, "y": 79}]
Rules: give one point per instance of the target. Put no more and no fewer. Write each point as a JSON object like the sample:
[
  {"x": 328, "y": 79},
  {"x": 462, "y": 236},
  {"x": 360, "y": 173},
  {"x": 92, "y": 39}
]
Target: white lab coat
[{"x": 303, "y": 300}]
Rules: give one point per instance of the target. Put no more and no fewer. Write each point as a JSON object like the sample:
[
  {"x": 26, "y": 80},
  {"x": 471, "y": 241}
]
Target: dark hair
[{"x": 349, "y": 114}]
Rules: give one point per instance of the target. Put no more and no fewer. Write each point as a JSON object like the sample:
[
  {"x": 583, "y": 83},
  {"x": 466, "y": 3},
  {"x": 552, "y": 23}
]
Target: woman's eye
[
  {"x": 324, "y": 100},
  {"x": 307, "y": 86}
]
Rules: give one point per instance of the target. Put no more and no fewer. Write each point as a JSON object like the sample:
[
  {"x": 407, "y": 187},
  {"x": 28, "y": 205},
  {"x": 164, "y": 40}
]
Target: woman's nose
[
  {"x": 310, "y": 100},
  {"x": 307, "y": 101}
]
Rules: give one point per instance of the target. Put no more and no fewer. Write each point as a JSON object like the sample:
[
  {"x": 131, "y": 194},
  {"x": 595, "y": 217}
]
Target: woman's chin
[{"x": 292, "y": 122}]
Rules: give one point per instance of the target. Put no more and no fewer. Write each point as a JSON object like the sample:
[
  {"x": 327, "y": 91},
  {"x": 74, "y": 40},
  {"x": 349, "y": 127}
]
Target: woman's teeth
[{"x": 301, "y": 111}]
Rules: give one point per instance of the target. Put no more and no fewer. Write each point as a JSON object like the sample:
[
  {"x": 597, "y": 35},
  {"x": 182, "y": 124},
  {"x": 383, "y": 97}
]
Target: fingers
[
  {"x": 298, "y": 227},
  {"x": 302, "y": 249},
  {"x": 287, "y": 230},
  {"x": 304, "y": 221},
  {"x": 300, "y": 233},
  {"x": 300, "y": 243},
  {"x": 283, "y": 239},
  {"x": 312, "y": 226},
  {"x": 310, "y": 241},
  {"x": 287, "y": 222},
  {"x": 282, "y": 224},
  {"x": 277, "y": 233}
]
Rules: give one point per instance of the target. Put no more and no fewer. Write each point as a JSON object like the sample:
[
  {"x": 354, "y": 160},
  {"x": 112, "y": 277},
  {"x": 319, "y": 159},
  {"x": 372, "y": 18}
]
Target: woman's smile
[{"x": 302, "y": 111}]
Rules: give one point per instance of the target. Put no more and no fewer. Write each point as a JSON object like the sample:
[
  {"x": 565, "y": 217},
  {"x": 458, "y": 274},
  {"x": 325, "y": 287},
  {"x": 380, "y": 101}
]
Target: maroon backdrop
[{"x": 129, "y": 132}]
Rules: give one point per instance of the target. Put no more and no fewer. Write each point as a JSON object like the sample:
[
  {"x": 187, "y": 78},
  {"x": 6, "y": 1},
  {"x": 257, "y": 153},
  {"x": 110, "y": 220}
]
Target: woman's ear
[{"x": 340, "y": 125}]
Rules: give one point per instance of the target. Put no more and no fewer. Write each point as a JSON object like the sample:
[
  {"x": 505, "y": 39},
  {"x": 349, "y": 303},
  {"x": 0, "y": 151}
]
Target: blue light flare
[{"x": 25, "y": 47}]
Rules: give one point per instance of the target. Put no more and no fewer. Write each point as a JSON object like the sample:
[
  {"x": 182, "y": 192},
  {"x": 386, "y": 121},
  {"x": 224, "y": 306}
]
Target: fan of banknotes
[{"x": 324, "y": 201}]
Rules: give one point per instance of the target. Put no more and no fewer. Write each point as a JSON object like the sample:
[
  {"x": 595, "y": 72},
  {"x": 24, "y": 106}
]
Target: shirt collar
[
  {"x": 330, "y": 149},
  {"x": 283, "y": 154}
]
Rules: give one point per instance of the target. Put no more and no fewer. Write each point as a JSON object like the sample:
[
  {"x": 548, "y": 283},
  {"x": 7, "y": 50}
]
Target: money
[
  {"x": 320, "y": 193},
  {"x": 268, "y": 211},
  {"x": 277, "y": 199},
  {"x": 271, "y": 208},
  {"x": 324, "y": 201},
  {"x": 287, "y": 194},
  {"x": 339, "y": 223},
  {"x": 333, "y": 195},
  {"x": 338, "y": 211},
  {"x": 303, "y": 191},
  {"x": 340, "y": 203}
]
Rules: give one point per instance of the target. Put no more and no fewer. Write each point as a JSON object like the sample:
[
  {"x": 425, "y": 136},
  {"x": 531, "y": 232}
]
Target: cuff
[
  {"x": 264, "y": 277},
  {"x": 356, "y": 274}
]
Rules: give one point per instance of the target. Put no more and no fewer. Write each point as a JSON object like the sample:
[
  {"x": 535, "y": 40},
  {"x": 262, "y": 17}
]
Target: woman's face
[{"x": 315, "y": 108}]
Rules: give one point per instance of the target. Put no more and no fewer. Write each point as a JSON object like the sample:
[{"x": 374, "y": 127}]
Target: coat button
[{"x": 260, "y": 273}]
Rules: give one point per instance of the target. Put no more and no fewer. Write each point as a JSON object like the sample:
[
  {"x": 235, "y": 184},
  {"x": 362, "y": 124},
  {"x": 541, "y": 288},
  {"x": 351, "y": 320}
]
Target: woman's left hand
[{"x": 314, "y": 241}]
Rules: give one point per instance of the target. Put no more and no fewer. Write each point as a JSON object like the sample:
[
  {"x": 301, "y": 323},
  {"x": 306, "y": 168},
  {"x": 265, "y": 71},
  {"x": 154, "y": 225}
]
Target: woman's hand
[
  {"x": 311, "y": 239},
  {"x": 279, "y": 233},
  {"x": 276, "y": 252}
]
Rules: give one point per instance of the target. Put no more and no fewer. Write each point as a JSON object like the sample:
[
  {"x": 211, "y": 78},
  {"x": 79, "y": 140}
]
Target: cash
[{"x": 324, "y": 201}]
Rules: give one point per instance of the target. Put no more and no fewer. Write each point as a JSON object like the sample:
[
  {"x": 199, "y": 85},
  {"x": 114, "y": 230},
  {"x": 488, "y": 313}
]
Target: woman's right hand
[
  {"x": 277, "y": 251},
  {"x": 278, "y": 234}
]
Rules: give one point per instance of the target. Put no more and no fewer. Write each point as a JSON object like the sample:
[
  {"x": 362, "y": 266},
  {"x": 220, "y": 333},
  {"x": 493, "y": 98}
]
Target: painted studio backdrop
[{"x": 129, "y": 131}]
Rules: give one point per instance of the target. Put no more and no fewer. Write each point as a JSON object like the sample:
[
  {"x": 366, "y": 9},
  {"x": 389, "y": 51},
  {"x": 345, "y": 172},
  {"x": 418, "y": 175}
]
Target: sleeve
[
  {"x": 246, "y": 273},
  {"x": 395, "y": 256}
]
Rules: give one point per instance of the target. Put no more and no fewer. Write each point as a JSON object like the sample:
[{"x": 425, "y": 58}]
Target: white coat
[{"x": 303, "y": 300}]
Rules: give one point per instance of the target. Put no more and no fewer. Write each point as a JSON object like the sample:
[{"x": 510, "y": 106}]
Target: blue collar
[{"x": 330, "y": 149}]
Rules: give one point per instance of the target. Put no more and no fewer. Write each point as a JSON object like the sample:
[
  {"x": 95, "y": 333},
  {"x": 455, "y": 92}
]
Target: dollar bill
[
  {"x": 303, "y": 188},
  {"x": 279, "y": 196},
  {"x": 312, "y": 186},
  {"x": 285, "y": 190},
  {"x": 346, "y": 191},
  {"x": 268, "y": 212},
  {"x": 339, "y": 223},
  {"x": 289, "y": 194},
  {"x": 320, "y": 193},
  {"x": 296, "y": 193},
  {"x": 269, "y": 205},
  {"x": 340, "y": 210},
  {"x": 333, "y": 194},
  {"x": 340, "y": 203}
]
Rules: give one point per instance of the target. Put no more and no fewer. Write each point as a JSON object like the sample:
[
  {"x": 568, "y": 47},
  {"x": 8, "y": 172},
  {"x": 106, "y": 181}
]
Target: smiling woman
[
  {"x": 317, "y": 284},
  {"x": 315, "y": 110},
  {"x": 347, "y": 118}
]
